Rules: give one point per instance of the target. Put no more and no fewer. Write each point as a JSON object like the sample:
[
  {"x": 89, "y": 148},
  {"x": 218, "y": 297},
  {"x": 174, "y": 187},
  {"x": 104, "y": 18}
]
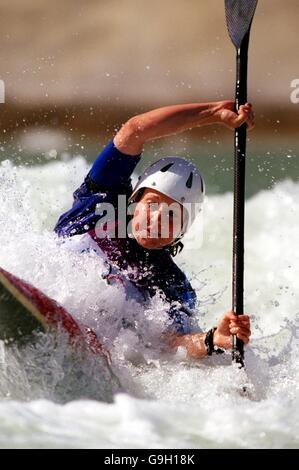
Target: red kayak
[{"x": 24, "y": 308}]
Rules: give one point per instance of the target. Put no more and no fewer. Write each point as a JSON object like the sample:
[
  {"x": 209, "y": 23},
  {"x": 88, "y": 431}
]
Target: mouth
[{"x": 153, "y": 234}]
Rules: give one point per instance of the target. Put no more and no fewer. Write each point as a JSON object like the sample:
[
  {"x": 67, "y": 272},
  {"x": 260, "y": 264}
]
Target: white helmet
[{"x": 178, "y": 179}]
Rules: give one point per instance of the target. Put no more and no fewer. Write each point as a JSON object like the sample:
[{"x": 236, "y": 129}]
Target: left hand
[
  {"x": 231, "y": 324},
  {"x": 225, "y": 111}
]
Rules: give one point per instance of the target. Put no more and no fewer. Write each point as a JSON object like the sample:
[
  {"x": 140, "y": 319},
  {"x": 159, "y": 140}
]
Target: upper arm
[
  {"x": 110, "y": 174},
  {"x": 130, "y": 138},
  {"x": 113, "y": 168}
]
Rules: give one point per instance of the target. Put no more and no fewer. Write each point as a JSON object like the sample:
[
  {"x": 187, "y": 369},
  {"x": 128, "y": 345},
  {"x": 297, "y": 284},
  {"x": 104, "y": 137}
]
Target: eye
[
  {"x": 152, "y": 202},
  {"x": 149, "y": 200}
]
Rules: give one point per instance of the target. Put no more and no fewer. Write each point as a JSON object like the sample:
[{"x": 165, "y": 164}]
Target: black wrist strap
[{"x": 209, "y": 343}]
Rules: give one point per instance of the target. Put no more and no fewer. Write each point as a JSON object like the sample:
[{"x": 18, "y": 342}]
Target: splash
[{"x": 169, "y": 399}]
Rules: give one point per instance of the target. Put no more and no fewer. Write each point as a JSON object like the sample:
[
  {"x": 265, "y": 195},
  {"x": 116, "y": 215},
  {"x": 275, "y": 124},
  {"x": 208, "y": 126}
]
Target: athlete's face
[{"x": 157, "y": 220}]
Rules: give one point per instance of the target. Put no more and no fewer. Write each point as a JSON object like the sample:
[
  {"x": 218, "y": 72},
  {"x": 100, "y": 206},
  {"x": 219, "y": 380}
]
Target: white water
[{"x": 50, "y": 398}]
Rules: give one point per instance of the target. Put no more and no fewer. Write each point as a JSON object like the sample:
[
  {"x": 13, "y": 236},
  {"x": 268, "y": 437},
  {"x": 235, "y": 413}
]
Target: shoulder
[
  {"x": 112, "y": 169},
  {"x": 176, "y": 283},
  {"x": 173, "y": 269}
]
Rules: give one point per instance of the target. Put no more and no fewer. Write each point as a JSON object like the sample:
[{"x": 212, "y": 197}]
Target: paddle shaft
[{"x": 239, "y": 197}]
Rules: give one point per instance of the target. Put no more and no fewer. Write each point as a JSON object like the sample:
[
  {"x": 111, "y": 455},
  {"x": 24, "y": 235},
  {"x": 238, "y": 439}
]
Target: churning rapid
[{"x": 53, "y": 397}]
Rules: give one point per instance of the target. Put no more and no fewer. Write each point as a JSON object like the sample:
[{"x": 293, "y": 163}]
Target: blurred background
[{"x": 75, "y": 70}]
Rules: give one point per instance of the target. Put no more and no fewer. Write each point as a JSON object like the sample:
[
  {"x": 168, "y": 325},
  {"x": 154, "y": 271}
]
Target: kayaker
[{"x": 164, "y": 203}]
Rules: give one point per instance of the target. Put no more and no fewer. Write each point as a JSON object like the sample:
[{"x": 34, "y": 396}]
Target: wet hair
[{"x": 138, "y": 195}]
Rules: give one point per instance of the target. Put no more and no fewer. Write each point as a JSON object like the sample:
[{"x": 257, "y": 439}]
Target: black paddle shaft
[
  {"x": 239, "y": 197},
  {"x": 239, "y": 15}
]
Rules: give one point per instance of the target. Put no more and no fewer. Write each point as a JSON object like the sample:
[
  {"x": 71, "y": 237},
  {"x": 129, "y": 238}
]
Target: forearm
[
  {"x": 194, "y": 344},
  {"x": 173, "y": 119},
  {"x": 219, "y": 338},
  {"x": 164, "y": 121}
]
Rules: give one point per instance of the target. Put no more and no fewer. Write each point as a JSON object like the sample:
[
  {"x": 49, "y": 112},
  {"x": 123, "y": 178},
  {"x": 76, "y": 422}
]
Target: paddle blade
[{"x": 239, "y": 15}]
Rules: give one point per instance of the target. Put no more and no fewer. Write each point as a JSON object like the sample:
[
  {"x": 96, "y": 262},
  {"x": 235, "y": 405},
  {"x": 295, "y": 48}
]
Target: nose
[{"x": 155, "y": 219}]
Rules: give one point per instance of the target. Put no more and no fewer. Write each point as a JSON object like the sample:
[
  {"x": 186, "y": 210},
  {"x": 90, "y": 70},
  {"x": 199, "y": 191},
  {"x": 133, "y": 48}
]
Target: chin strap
[{"x": 176, "y": 248}]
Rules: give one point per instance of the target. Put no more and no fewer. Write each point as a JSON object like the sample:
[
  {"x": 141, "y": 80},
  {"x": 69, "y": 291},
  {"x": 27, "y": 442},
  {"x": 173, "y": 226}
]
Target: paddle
[{"x": 239, "y": 15}]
